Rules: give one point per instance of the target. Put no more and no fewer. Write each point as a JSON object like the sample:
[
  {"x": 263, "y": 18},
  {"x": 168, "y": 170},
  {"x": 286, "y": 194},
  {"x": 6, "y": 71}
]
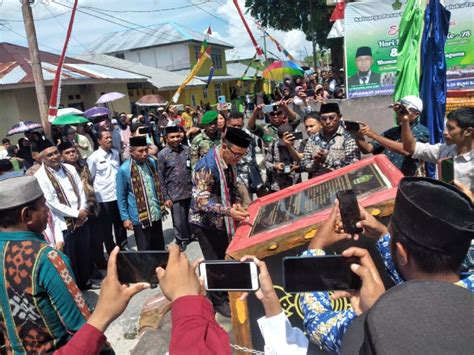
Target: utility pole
[
  {"x": 36, "y": 65},
  {"x": 313, "y": 37}
]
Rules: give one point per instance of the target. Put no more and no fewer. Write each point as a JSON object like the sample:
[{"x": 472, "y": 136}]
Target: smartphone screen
[
  {"x": 229, "y": 275},
  {"x": 446, "y": 170},
  {"x": 142, "y": 130},
  {"x": 268, "y": 108},
  {"x": 352, "y": 125},
  {"x": 319, "y": 273},
  {"x": 349, "y": 209},
  {"x": 310, "y": 92},
  {"x": 140, "y": 266},
  {"x": 298, "y": 135}
]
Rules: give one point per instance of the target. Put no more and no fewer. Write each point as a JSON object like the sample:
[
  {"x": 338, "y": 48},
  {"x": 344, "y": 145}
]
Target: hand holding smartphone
[
  {"x": 224, "y": 275},
  {"x": 446, "y": 170},
  {"x": 319, "y": 273},
  {"x": 349, "y": 210},
  {"x": 140, "y": 266}
]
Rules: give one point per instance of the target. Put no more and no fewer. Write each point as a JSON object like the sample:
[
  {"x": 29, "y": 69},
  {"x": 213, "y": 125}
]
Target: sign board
[{"x": 375, "y": 25}]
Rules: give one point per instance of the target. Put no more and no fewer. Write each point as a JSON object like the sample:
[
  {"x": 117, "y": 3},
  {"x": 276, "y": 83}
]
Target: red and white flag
[{"x": 338, "y": 12}]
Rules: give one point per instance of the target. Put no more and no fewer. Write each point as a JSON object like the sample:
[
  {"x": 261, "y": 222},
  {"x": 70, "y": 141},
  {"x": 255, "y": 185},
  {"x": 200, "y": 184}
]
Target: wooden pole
[{"x": 36, "y": 65}]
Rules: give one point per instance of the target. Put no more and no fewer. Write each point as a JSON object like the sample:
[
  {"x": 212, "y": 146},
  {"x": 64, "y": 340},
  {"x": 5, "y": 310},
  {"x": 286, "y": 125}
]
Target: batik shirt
[
  {"x": 406, "y": 164},
  {"x": 278, "y": 180},
  {"x": 243, "y": 166},
  {"x": 201, "y": 144},
  {"x": 341, "y": 147},
  {"x": 41, "y": 305},
  {"x": 326, "y": 327},
  {"x": 207, "y": 209},
  {"x": 174, "y": 172}
]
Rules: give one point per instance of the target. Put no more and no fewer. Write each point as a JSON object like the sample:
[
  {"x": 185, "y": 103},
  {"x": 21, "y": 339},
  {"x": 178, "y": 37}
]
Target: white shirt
[
  {"x": 59, "y": 210},
  {"x": 463, "y": 163},
  {"x": 103, "y": 167},
  {"x": 280, "y": 337}
]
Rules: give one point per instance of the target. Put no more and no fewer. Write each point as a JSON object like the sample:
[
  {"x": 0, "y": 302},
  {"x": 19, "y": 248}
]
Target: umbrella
[
  {"x": 109, "y": 97},
  {"x": 66, "y": 111},
  {"x": 96, "y": 112},
  {"x": 279, "y": 70},
  {"x": 23, "y": 126},
  {"x": 152, "y": 100},
  {"x": 69, "y": 119}
]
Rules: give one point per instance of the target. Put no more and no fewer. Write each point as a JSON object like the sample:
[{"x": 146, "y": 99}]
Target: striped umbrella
[
  {"x": 23, "y": 126},
  {"x": 280, "y": 69}
]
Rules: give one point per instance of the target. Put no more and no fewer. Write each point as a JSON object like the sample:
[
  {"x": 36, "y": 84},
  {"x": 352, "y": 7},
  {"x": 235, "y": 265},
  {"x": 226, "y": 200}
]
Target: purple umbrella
[
  {"x": 96, "y": 112},
  {"x": 109, "y": 97},
  {"x": 23, "y": 126}
]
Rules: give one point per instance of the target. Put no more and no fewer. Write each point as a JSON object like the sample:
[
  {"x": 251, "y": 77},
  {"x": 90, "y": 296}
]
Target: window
[
  {"x": 216, "y": 56},
  {"x": 120, "y": 55}
]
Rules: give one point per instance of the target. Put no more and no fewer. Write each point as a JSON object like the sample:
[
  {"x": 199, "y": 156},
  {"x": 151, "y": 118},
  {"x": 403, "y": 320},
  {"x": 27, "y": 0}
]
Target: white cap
[
  {"x": 413, "y": 102},
  {"x": 113, "y": 121}
]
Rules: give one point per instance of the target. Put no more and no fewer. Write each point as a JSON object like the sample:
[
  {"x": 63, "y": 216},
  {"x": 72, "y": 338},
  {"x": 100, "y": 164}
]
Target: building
[
  {"x": 82, "y": 84},
  {"x": 175, "y": 48}
]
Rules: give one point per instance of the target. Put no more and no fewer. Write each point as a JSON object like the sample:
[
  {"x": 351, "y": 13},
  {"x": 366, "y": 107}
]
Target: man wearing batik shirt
[
  {"x": 174, "y": 172},
  {"x": 139, "y": 196},
  {"x": 415, "y": 248},
  {"x": 333, "y": 147},
  {"x": 40, "y": 304},
  {"x": 65, "y": 196},
  {"x": 215, "y": 206}
]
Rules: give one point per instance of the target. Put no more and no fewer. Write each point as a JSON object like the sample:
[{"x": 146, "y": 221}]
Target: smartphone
[
  {"x": 352, "y": 125},
  {"x": 349, "y": 209},
  {"x": 446, "y": 170},
  {"x": 221, "y": 99},
  {"x": 223, "y": 275},
  {"x": 319, "y": 273},
  {"x": 269, "y": 108},
  {"x": 139, "y": 266},
  {"x": 400, "y": 109},
  {"x": 143, "y": 130},
  {"x": 298, "y": 135},
  {"x": 310, "y": 92}
]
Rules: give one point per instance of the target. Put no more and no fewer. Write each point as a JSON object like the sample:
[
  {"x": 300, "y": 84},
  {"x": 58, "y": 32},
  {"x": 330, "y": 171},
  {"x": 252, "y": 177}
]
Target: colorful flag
[
  {"x": 204, "y": 54},
  {"x": 56, "y": 89},
  {"x": 209, "y": 78},
  {"x": 338, "y": 12},
  {"x": 408, "y": 59},
  {"x": 252, "y": 38},
  {"x": 279, "y": 46},
  {"x": 433, "y": 85}
]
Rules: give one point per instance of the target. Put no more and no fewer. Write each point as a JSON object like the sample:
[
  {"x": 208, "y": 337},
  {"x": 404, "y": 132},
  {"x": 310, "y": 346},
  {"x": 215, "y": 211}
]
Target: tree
[{"x": 287, "y": 15}]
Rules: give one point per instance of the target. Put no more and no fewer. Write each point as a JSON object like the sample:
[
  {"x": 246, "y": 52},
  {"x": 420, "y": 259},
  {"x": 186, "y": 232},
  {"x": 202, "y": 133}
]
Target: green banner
[{"x": 371, "y": 40}]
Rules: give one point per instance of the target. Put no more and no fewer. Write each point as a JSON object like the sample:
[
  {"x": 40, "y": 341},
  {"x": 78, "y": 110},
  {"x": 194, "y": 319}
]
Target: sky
[{"x": 105, "y": 16}]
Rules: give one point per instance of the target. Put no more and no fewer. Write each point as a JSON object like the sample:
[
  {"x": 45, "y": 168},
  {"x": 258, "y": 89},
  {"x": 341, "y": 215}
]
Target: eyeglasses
[
  {"x": 236, "y": 155},
  {"x": 328, "y": 117}
]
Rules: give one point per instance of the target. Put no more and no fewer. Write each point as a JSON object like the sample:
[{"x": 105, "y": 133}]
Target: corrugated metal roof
[
  {"x": 15, "y": 68},
  {"x": 149, "y": 36},
  {"x": 238, "y": 70},
  {"x": 161, "y": 79}
]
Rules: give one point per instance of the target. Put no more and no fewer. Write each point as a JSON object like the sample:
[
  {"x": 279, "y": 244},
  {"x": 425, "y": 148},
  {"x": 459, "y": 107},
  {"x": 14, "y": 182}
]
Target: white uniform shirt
[
  {"x": 103, "y": 167},
  {"x": 281, "y": 338},
  {"x": 463, "y": 164},
  {"x": 59, "y": 210}
]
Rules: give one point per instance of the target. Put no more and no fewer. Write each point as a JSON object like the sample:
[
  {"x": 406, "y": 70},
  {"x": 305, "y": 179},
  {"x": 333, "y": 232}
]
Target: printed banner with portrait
[{"x": 371, "y": 40}]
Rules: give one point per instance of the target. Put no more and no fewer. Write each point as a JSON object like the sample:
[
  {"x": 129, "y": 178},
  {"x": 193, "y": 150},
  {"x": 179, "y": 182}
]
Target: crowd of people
[{"x": 90, "y": 184}]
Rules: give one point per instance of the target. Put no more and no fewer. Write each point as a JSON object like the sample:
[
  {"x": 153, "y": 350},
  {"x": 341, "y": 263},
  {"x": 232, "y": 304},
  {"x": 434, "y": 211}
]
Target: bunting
[
  {"x": 279, "y": 46},
  {"x": 56, "y": 89}
]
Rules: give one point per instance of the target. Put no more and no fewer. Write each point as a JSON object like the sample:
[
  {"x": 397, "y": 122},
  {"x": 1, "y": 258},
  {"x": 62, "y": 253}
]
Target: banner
[{"x": 371, "y": 41}]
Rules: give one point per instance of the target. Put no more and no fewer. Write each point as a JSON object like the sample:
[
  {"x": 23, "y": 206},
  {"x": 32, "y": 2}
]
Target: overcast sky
[{"x": 51, "y": 19}]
